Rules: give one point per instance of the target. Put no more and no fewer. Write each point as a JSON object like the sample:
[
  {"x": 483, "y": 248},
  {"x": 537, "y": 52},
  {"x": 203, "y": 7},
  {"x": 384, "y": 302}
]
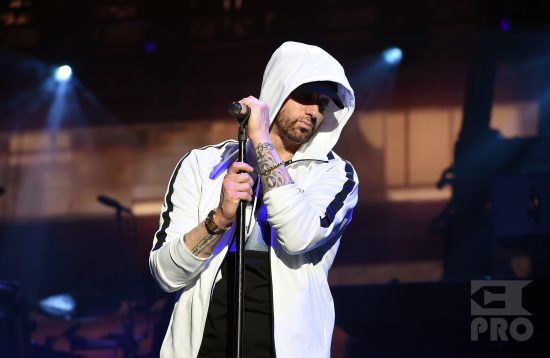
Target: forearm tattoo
[
  {"x": 202, "y": 244},
  {"x": 267, "y": 158}
]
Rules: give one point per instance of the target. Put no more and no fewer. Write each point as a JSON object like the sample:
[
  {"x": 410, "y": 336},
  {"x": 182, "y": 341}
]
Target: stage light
[
  {"x": 504, "y": 24},
  {"x": 150, "y": 47},
  {"x": 393, "y": 55},
  {"x": 63, "y": 305},
  {"x": 63, "y": 73}
]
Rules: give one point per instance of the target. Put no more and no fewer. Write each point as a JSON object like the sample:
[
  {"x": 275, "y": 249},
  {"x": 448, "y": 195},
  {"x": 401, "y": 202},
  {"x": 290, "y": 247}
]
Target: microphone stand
[
  {"x": 235, "y": 109},
  {"x": 126, "y": 339}
]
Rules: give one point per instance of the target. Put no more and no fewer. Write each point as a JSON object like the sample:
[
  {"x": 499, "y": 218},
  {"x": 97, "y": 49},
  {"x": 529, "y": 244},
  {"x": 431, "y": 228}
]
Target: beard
[{"x": 292, "y": 129}]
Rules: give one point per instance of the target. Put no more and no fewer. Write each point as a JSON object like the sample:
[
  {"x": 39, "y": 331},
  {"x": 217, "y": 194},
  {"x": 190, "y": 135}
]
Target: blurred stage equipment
[
  {"x": 82, "y": 307},
  {"x": 127, "y": 340},
  {"x": 76, "y": 307},
  {"x": 521, "y": 204},
  {"x": 15, "y": 330},
  {"x": 103, "y": 199},
  {"x": 521, "y": 216},
  {"x": 79, "y": 305},
  {"x": 123, "y": 249},
  {"x": 112, "y": 203},
  {"x": 2, "y": 190}
]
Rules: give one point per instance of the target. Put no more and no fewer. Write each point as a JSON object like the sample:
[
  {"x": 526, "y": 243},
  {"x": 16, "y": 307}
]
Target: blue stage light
[
  {"x": 63, "y": 73},
  {"x": 393, "y": 55},
  {"x": 150, "y": 46},
  {"x": 63, "y": 305},
  {"x": 504, "y": 24}
]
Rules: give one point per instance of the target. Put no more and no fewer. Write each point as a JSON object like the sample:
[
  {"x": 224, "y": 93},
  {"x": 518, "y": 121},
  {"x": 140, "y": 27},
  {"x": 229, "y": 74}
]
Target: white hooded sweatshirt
[{"x": 307, "y": 219}]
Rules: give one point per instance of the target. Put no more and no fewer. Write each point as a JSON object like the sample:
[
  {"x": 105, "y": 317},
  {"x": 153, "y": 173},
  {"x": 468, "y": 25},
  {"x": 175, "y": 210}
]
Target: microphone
[
  {"x": 105, "y": 200},
  {"x": 236, "y": 110}
]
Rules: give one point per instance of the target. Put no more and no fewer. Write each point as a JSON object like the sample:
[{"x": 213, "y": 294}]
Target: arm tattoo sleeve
[
  {"x": 202, "y": 244},
  {"x": 267, "y": 158}
]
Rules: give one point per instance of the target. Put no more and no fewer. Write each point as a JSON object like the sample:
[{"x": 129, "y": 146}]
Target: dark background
[{"x": 162, "y": 61}]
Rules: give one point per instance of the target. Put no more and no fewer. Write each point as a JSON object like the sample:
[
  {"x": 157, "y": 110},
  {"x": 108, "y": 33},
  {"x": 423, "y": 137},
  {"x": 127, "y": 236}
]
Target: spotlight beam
[
  {"x": 63, "y": 73},
  {"x": 393, "y": 55}
]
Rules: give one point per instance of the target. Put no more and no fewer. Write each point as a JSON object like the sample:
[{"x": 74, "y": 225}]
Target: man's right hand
[{"x": 237, "y": 186}]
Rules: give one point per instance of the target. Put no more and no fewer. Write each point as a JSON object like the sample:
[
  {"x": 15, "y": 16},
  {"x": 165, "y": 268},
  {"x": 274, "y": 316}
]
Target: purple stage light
[
  {"x": 504, "y": 24},
  {"x": 150, "y": 46}
]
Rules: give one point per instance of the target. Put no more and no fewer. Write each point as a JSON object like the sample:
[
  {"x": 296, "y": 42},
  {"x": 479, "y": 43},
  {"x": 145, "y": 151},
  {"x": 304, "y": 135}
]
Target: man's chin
[{"x": 300, "y": 138}]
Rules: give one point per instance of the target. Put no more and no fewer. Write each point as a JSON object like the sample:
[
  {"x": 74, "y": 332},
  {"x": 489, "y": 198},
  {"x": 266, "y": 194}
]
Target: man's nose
[{"x": 313, "y": 110}]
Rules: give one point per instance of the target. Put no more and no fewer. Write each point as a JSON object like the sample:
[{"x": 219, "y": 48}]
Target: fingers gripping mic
[{"x": 241, "y": 114}]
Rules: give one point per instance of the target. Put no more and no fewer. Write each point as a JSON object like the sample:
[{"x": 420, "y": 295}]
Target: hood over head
[{"x": 294, "y": 64}]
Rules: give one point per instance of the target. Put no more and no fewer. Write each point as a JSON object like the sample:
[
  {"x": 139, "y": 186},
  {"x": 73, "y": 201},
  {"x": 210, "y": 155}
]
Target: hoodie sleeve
[
  {"x": 171, "y": 262},
  {"x": 306, "y": 219}
]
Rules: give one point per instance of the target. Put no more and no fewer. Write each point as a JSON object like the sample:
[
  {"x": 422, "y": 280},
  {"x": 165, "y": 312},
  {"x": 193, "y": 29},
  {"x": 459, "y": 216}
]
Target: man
[{"x": 300, "y": 206}]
